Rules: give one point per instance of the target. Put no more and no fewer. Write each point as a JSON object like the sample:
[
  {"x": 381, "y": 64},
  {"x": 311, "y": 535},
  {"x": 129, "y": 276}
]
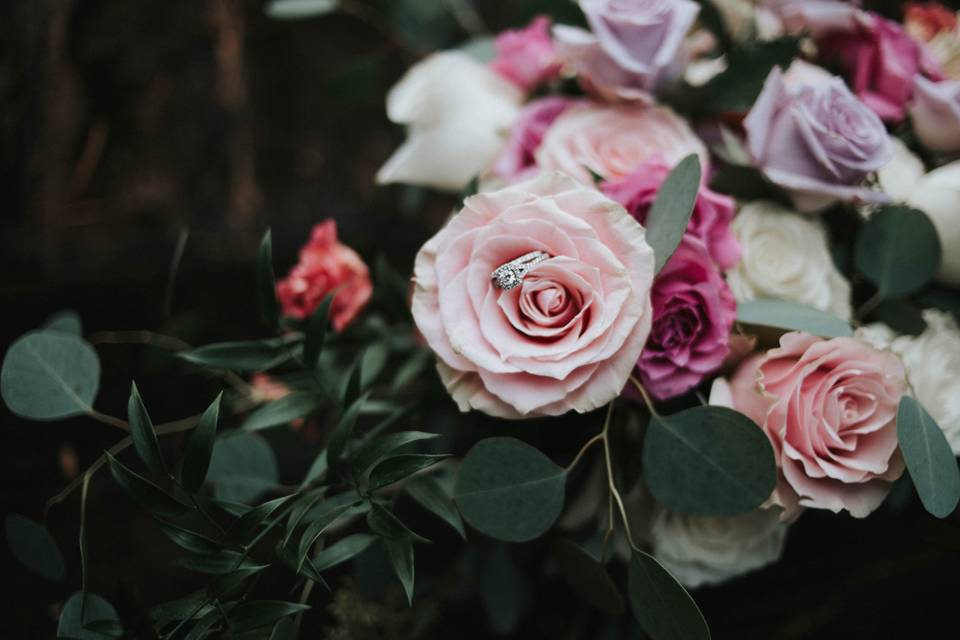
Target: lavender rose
[
  {"x": 816, "y": 140},
  {"x": 936, "y": 113}
]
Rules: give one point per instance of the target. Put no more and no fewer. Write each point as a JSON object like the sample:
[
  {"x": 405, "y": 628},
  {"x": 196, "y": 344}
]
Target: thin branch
[
  {"x": 107, "y": 419},
  {"x": 646, "y": 396},
  {"x": 592, "y": 441}
]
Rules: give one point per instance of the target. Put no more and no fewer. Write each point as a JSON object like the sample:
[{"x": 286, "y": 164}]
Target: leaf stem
[
  {"x": 872, "y": 303},
  {"x": 108, "y": 419},
  {"x": 646, "y": 396},
  {"x": 615, "y": 495},
  {"x": 589, "y": 443}
]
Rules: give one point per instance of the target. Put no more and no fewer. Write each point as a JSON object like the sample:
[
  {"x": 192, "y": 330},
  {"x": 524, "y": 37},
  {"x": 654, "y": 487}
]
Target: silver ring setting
[{"x": 511, "y": 274}]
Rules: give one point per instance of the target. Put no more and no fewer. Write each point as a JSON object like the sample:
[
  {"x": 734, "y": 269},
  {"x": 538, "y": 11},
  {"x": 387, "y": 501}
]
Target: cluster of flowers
[{"x": 574, "y": 174}]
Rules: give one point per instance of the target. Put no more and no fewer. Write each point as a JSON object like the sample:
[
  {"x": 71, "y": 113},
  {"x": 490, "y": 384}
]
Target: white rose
[
  {"x": 458, "y": 115},
  {"x": 932, "y": 360},
  {"x": 938, "y": 195},
  {"x": 899, "y": 177},
  {"x": 700, "y": 551},
  {"x": 785, "y": 256}
]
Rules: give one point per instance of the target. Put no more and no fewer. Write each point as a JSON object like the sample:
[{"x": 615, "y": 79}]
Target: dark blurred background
[{"x": 144, "y": 148}]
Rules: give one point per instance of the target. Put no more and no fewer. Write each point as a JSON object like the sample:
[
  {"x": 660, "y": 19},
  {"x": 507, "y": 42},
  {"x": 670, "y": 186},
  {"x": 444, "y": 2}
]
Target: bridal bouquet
[{"x": 727, "y": 231}]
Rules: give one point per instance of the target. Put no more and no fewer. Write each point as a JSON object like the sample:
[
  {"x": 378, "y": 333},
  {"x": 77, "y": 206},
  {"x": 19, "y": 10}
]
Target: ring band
[{"x": 510, "y": 274}]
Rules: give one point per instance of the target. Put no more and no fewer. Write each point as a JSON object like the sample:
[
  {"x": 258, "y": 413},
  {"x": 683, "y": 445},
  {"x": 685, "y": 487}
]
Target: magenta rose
[
  {"x": 829, "y": 408},
  {"x": 526, "y": 57},
  {"x": 693, "y": 314},
  {"x": 709, "y": 222},
  {"x": 569, "y": 335},
  {"x": 517, "y": 161},
  {"x": 634, "y": 45},
  {"x": 935, "y": 113},
  {"x": 816, "y": 140}
]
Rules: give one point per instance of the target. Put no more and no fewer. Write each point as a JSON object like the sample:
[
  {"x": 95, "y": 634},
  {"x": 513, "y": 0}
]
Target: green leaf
[
  {"x": 341, "y": 435},
  {"x": 708, "y": 461},
  {"x": 505, "y": 591},
  {"x": 376, "y": 449},
  {"x": 587, "y": 577},
  {"x": 65, "y": 321},
  {"x": 34, "y": 547},
  {"x": 249, "y": 355},
  {"x": 429, "y": 494},
  {"x": 736, "y": 89},
  {"x": 382, "y": 522},
  {"x": 315, "y": 332},
  {"x": 662, "y": 607},
  {"x": 795, "y": 317},
  {"x": 242, "y": 468},
  {"x": 49, "y": 375},
  {"x": 929, "y": 458},
  {"x": 300, "y": 9},
  {"x": 399, "y": 467},
  {"x": 283, "y": 410},
  {"x": 266, "y": 283},
  {"x": 190, "y": 540},
  {"x": 148, "y": 495},
  {"x": 374, "y": 360},
  {"x": 248, "y": 523},
  {"x": 196, "y": 458},
  {"x": 142, "y": 433},
  {"x": 400, "y": 553},
  {"x": 670, "y": 213},
  {"x": 261, "y": 613},
  {"x": 224, "y": 561},
  {"x": 900, "y": 315},
  {"x": 898, "y": 250},
  {"x": 285, "y": 629},
  {"x": 509, "y": 490},
  {"x": 342, "y": 550},
  {"x": 94, "y": 609},
  {"x": 314, "y": 530}
]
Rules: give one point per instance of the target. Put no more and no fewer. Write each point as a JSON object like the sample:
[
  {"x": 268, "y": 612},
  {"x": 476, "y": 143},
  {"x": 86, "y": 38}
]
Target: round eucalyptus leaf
[
  {"x": 660, "y": 604},
  {"x": 587, "y": 577},
  {"x": 509, "y": 490},
  {"x": 898, "y": 250},
  {"x": 49, "y": 375},
  {"x": 242, "y": 467},
  {"x": 929, "y": 458},
  {"x": 782, "y": 314},
  {"x": 95, "y": 609},
  {"x": 34, "y": 547},
  {"x": 708, "y": 461}
]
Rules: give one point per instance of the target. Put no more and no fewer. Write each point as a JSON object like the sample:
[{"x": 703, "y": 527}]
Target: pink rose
[
  {"x": 611, "y": 141},
  {"x": 816, "y": 140},
  {"x": 709, "y": 222},
  {"x": 693, "y": 314},
  {"x": 517, "y": 161},
  {"x": 326, "y": 266},
  {"x": 526, "y": 57},
  {"x": 935, "y": 113},
  {"x": 925, "y": 21},
  {"x": 831, "y": 416},
  {"x": 569, "y": 335}
]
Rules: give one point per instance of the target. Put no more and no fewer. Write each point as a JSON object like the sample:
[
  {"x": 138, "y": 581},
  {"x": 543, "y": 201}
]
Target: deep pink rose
[
  {"x": 829, "y": 408},
  {"x": 326, "y": 266},
  {"x": 709, "y": 222},
  {"x": 526, "y": 57},
  {"x": 693, "y": 313},
  {"x": 816, "y": 140},
  {"x": 517, "y": 161},
  {"x": 570, "y": 334},
  {"x": 611, "y": 141},
  {"x": 935, "y": 113}
]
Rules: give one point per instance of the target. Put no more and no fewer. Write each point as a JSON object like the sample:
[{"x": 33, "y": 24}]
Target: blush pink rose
[
  {"x": 517, "y": 161},
  {"x": 829, "y": 408},
  {"x": 926, "y": 20},
  {"x": 816, "y": 140},
  {"x": 935, "y": 113},
  {"x": 526, "y": 57},
  {"x": 693, "y": 314},
  {"x": 709, "y": 222},
  {"x": 569, "y": 335},
  {"x": 611, "y": 141},
  {"x": 326, "y": 266}
]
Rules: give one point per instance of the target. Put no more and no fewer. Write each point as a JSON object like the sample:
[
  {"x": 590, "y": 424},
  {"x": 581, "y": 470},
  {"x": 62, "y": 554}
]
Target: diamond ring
[{"x": 510, "y": 274}]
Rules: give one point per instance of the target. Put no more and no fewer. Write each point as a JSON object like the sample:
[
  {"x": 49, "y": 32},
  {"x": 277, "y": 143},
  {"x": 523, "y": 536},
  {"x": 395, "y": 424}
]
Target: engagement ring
[{"x": 510, "y": 274}]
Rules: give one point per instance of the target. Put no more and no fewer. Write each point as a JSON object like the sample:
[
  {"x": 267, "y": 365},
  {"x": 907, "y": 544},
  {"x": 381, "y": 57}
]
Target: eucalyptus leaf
[
  {"x": 34, "y": 547},
  {"x": 142, "y": 432},
  {"x": 929, "y": 458},
  {"x": 196, "y": 458},
  {"x": 660, "y": 604},
  {"x": 898, "y": 250},
  {"x": 65, "y": 321},
  {"x": 401, "y": 466},
  {"x": 376, "y": 449},
  {"x": 587, "y": 577},
  {"x": 790, "y": 315},
  {"x": 429, "y": 494},
  {"x": 300, "y": 9},
  {"x": 400, "y": 553},
  {"x": 508, "y": 490},
  {"x": 670, "y": 213},
  {"x": 49, "y": 375},
  {"x": 266, "y": 283},
  {"x": 283, "y": 410},
  {"x": 505, "y": 591},
  {"x": 147, "y": 494},
  {"x": 242, "y": 467},
  {"x": 261, "y": 613},
  {"x": 748, "y": 66},
  {"x": 708, "y": 461},
  {"x": 316, "y": 332},
  {"x": 79, "y": 611}
]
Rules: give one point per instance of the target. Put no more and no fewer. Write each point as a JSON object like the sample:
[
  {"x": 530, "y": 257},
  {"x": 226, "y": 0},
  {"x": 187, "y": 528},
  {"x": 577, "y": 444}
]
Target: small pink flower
[
  {"x": 926, "y": 20},
  {"x": 266, "y": 388},
  {"x": 326, "y": 266},
  {"x": 518, "y": 160},
  {"x": 709, "y": 222},
  {"x": 693, "y": 314},
  {"x": 526, "y": 57},
  {"x": 829, "y": 408}
]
